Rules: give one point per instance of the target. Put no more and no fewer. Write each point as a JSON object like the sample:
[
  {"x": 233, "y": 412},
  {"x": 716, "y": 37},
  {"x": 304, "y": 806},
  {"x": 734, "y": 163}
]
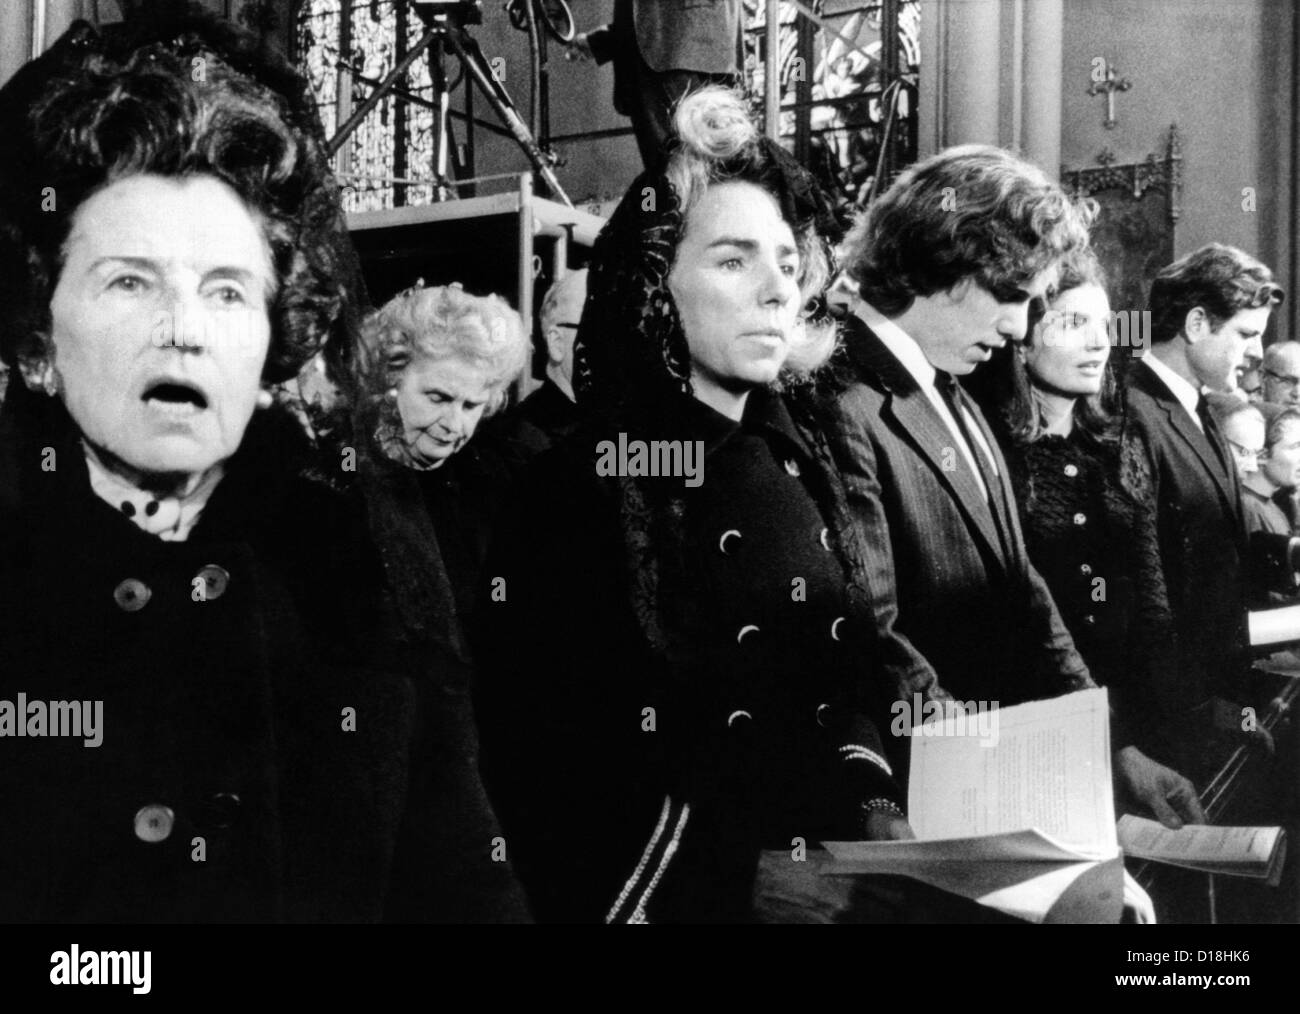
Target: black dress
[{"x": 1088, "y": 513}]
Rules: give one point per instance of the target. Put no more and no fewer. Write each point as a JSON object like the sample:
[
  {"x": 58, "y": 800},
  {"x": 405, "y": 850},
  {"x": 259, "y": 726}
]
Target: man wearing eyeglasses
[
  {"x": 1281, "y": 386},
  {"x": 1282, "y": 374},
  {"x": 549, "y": 413}
]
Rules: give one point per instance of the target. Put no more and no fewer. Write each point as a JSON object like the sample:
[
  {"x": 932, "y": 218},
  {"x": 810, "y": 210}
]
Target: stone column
[
  {"x": 15, "y": 37},
  {"x": 970, "y": 80},
  {"x": 1043, "y": 63}
]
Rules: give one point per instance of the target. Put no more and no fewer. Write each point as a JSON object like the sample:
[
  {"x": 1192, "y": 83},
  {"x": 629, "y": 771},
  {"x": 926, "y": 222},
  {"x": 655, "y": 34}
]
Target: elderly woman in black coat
[
  {"x": 677, "y": 688},
  {"x": 432, "y": 365},
  {"x": 205, "y": 713}
]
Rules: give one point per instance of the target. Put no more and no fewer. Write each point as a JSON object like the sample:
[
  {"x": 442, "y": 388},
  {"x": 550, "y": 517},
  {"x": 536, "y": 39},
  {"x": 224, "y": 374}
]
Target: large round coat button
[
  {"x": 216, "y": 579},
  {"x": 722, "y": 541},
  {"x": 131, "y": 595},
  {"x": 1071, "y": 470},
  {"x": 153, "y": 823},
  {"x": 746, "y": 631},
  {"x": 1081, "y": 518},
  {"x": 738, "y": 716},
  {"x": 823, "y": 714}
]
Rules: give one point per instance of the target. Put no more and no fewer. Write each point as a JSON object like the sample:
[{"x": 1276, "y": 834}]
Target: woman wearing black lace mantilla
[{"x": 677, "y": 672}]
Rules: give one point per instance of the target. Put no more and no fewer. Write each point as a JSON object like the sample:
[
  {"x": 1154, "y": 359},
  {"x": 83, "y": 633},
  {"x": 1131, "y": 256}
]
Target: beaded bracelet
[{"x": 880, "y": 803}]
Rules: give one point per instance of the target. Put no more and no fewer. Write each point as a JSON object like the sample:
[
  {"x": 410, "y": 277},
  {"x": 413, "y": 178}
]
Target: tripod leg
[
  {"x": 382, "y": 89},
  {"x": 475, "y": 64},
  {"x": 442, "y": 190}
]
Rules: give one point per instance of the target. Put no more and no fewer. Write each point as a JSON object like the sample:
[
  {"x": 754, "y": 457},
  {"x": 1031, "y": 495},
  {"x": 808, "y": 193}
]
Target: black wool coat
[
  {"x": 270, "y": 751},
  {"x": 656, "y": 708}
]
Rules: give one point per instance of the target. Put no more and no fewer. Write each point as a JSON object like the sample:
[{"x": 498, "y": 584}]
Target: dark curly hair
[
  {"x": 969, "y": 212},
  {"x": 177, "y": 94}
]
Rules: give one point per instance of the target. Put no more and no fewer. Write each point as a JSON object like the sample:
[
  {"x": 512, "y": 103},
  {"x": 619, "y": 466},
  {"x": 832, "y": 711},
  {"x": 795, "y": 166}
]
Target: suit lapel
[
  {"x": 915, "y": 418},
  {"x": 1191, "y": 434},
  {"x": 1199, "y": 442},
  {"x": 1003, "y": 496},
  {"x": 1227, "y": 473}
]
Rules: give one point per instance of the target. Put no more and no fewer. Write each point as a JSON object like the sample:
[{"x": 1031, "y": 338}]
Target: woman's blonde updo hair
[{"x": 718, "y": 141}]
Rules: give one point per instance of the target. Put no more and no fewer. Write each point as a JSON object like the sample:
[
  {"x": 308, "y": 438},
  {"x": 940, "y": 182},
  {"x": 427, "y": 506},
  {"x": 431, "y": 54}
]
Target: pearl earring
[
  {"x": 39, "y": 375},
  {"x": 264, "y": 399}
]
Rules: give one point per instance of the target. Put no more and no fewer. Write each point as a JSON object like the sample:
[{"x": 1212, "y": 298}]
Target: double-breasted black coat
[
  {"x": 674, "y": 676},
  {"x": 271, "y": 750}
]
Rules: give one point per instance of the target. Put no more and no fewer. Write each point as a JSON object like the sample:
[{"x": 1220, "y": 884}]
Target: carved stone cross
[{"x": 1112, "y": 84}]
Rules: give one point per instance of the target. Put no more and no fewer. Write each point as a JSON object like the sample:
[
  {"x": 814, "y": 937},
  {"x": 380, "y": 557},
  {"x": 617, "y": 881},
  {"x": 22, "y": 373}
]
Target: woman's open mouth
[{"x": 175, "y": 398}]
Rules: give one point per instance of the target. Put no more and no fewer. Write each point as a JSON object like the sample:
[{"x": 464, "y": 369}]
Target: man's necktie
[
  {"x": 1212, "y": 435},
  {"x": 950, "y": 392}
]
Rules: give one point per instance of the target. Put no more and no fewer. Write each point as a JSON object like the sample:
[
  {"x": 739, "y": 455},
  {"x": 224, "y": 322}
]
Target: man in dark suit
[
  {"x": 947, "y": 262},
  {"x": 1208, "y": 312},
  {"x": 661, "y": 50}
]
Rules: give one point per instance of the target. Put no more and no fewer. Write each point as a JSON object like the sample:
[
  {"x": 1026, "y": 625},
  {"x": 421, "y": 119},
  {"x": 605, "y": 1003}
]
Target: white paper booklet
[
  {"x": 1256, "y": 852},
  {"x": 1023, "y": 821}
]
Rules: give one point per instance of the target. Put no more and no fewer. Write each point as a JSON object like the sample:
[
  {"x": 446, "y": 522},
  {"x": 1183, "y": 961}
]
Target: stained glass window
[
  {"x": 839, "y": 86},
  {"x": 357, "y": 42}
]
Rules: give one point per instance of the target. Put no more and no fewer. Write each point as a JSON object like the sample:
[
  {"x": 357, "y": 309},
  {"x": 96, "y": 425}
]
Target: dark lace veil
[
  {"x": 632, "y": 364},
  {"x": 630, "y": 353}
]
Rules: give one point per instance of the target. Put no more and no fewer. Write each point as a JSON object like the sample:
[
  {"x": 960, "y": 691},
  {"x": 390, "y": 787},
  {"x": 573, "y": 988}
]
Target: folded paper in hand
[
  {"x": 1256, "y": 852},
  {"x": 1025, "y": 825}
]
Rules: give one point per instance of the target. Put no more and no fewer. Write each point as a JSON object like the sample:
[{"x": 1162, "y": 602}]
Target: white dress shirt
[
  {"x": 909, "y": 353},
  {"x": 1188, "y": 396}
]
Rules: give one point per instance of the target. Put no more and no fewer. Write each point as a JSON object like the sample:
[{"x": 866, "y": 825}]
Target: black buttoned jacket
[
  {"x": 297, "y": 761},
  {"x": 657, "y": 699}
]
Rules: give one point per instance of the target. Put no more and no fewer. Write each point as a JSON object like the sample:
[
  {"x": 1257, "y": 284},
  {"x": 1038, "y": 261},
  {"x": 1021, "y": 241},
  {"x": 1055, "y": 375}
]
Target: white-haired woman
[
  {"x": 701, "y": 618},
  {"x": 435, "y": 362}
]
